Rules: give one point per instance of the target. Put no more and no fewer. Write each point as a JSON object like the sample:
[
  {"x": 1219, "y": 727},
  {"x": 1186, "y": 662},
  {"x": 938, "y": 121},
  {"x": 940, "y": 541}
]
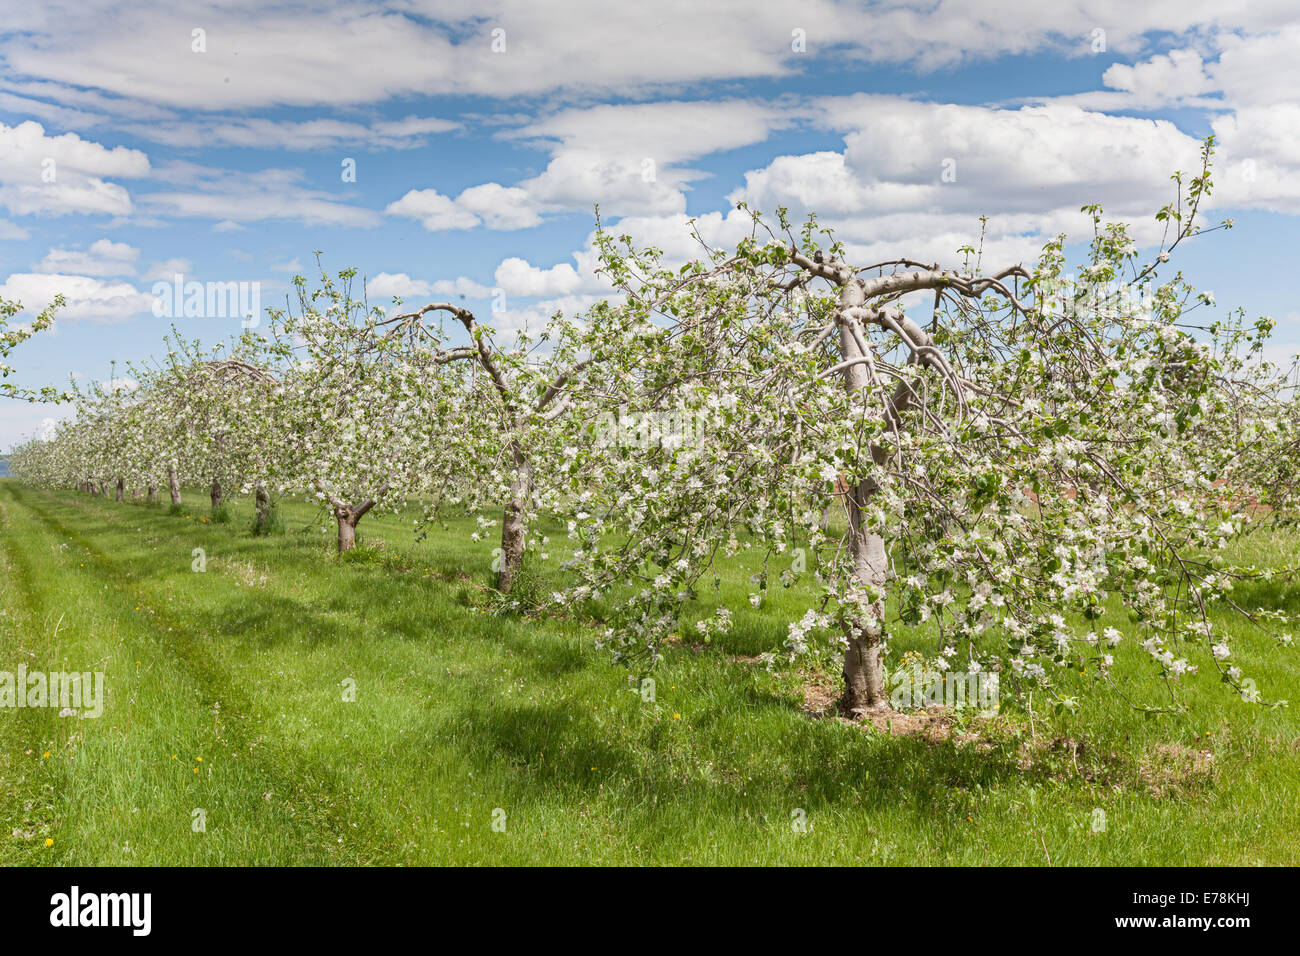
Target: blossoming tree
[
  {"x": 1008, "y": 462},
  {"x": 11, "y": 336},
  {"x": 508, "y": 446}
]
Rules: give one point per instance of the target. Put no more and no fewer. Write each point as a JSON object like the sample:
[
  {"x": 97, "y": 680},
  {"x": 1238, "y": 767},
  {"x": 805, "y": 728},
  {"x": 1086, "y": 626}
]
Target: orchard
[{"x": 1006, "y": 475}]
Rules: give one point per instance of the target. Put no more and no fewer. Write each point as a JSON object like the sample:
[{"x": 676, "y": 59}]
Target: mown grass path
[{"x": 462, "y": 717}]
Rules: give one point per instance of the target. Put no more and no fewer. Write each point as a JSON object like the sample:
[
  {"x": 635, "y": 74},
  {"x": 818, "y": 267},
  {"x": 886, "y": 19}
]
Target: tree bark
[
  {"x": 864, "y": 672},
  {"x": 514, "y": 524},
  {"x": 864, "y": 675},
  {"x": 347, "y": 519},
  {"x": 347, "y": 516},
  {"x": 216, "y": 494},
  {"x": 174, "y": 485},
  {"x": 152, "y": 492},
  {"x": 262, "y": 497},
  {"x": 121, "y": 488}
]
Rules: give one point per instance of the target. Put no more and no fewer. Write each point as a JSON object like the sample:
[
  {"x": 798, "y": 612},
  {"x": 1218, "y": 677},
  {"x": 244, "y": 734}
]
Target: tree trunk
[
  {"x": 348, "y": 515},
  {"x": 216, "y": 494},
  {"x": 103, "y": 489},
  {"x": 262, "y": 498},
  {"x": 121, "y": 488},
  {"x": 347, "y": 519},
  {"x": 152, "y": 492},
  {"x": 864, "y": 675},
  {"x": 174, "y": 484},
  {"x": 514, "y": 524}
]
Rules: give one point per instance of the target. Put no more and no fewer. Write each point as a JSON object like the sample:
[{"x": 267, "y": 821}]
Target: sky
[{"x": 460, "y": 156}]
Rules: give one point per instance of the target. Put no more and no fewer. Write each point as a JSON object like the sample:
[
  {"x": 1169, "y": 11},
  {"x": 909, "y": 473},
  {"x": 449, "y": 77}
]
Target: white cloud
[
  {"x": 1252, "y": 69},
  {"x": 500, "y": 207},
  {"x": 630, "y": 158},
  {"x": 490, "y": 204},
  {"x": 820, "y": 181},
  {"x": 626, "y": 158},
  {"x": 517, "y": 277},
  {"x": 88, "y": 298},
  {"x": 234, "y": 197},
  {"x": 261, "y": 55},
  {"x": 1260, "y": 162},
  {"x": 48, "y": 427},
  {"x": 386, "y": 285},
  {"x": 307, "y": 135},
  {"x": 57, "y": 175},
  {"x": 119, "y": 384},
  {"x": 533, "y": 318},
  {"x": 167, "y": 270},
  {"x": 1174, "y": 77},
  {"x": 20, "y": 421},
  {"x": 914, "y": 177},
  {"x": 103, "y": 258},
  {"x": 434, "y": 210}
]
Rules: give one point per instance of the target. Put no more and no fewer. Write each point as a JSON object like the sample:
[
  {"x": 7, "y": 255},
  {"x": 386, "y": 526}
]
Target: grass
[{"x": 225, "y": 694}]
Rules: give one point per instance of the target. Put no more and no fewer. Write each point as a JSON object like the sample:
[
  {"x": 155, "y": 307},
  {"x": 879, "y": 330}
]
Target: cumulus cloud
[
  {"x": 387, "y": 285},
  {"x": 103, "y": 258},
  {"x": 500, "y": 207},
  {"x": 433, "y": 210},
  {"x": 630, "y": 159},
  {"x": 1260, "y": 165},
  {"x": 88, "y": 298},
  {"x": 916, "y": 177},
  {"x": 1175, "y": 77},
  {"x": 518, "y": 277},
  {"x": 489, "y": 204},
  {"x": 1233, "y": 76},
  {"x": 57, "y": 175}
]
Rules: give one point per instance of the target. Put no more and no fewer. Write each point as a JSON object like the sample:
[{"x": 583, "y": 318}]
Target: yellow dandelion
[
  {"x": 45, "y": 755},
  {"x": 49, "y": 841},
  {"x": 677, "y": 716}
]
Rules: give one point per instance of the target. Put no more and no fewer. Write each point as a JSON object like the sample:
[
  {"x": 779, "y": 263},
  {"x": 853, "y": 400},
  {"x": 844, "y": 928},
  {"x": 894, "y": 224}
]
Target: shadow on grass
[
  {"x": 564, "y": 749},
  {"x": 1276, "y": 594}
]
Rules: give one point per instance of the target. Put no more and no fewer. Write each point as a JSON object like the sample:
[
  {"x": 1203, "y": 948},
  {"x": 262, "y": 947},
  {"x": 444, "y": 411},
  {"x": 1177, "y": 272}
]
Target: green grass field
[{"x": 225, "y": 694}]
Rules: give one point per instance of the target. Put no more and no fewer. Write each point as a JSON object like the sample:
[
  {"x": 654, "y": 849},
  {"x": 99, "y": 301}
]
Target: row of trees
[{"x": 1017, "y": 467}]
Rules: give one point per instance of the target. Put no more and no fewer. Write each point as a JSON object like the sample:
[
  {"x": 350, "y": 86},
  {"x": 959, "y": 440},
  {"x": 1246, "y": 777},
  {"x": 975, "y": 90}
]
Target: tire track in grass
[
  {"x": 330, "y": 807},
  {"x": 22, "y": 788}
]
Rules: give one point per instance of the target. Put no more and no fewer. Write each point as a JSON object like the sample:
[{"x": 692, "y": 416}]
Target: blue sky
[{"x": 211, "y": 140}]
